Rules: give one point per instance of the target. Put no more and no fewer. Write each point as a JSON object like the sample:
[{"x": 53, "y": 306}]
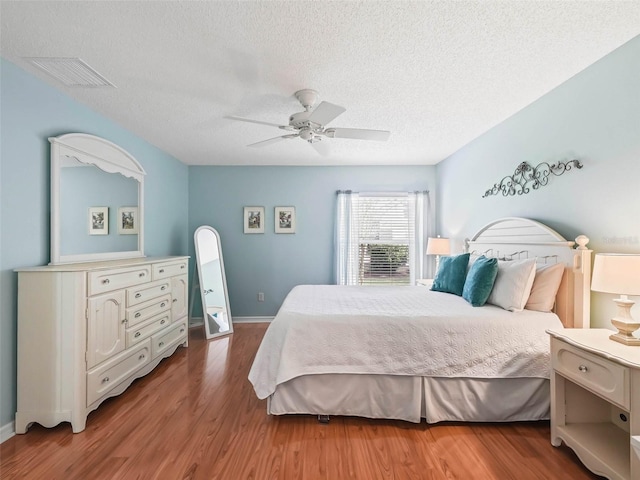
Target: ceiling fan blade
[
  {"x": 325, "y": 112},
  {"x": 270, "y": 141},
  {"x": 321, "y": 147},
  {"x": 359, "y": 134},
  {"x": 240, "y": 119}
]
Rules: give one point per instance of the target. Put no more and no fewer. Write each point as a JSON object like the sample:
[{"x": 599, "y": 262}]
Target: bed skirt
[{"x": 435, "y": 399}]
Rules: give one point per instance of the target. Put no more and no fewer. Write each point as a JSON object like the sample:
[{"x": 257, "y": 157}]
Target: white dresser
[
  {"x": 87, "y": 331},
  {"x": 595, "y": 400}
]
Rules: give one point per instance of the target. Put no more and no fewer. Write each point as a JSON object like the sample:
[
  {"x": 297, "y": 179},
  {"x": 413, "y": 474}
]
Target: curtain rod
[{"x": 338, "y": 192}]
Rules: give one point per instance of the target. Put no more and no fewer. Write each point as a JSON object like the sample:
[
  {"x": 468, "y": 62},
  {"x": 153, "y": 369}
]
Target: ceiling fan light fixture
[{"x": 306, "y": 134}]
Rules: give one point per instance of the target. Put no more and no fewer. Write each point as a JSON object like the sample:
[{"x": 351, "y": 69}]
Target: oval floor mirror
[{"x": 212, "y": 283}]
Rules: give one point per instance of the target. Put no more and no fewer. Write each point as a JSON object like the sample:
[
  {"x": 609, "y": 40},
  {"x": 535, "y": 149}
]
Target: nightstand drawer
[{"x": 605, "y": 378}]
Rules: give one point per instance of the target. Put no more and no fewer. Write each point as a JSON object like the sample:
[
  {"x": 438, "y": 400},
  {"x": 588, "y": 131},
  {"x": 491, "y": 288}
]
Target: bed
[{"x": 408, "y": 353}]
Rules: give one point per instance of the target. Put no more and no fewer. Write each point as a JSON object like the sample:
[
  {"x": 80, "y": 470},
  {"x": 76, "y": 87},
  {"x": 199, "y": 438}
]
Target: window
[{"x": 379, "y": 238}]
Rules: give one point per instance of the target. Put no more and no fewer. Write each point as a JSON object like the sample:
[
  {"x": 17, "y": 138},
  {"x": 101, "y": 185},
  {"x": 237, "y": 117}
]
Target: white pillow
[
  {"x": 545, "y": 287},
  {"x": 513, "y": 284}
]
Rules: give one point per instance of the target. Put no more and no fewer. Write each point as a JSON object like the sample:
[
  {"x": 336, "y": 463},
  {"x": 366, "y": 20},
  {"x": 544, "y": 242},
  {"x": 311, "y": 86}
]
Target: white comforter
[{"x": 400, "y": 331}]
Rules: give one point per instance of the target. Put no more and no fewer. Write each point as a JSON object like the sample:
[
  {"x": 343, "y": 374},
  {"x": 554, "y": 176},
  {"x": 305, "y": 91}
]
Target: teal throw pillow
[
  {"x": 480, "y": 279},
  {"x": 451, "y": 274}
]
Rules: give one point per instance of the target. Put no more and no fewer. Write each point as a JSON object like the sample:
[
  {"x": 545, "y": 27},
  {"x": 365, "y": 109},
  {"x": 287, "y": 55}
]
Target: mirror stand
[{"x": 211, "y": 283}]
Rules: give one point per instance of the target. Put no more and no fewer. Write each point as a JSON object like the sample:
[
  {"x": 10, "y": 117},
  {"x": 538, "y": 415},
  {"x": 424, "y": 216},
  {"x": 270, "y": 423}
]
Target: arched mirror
[
  {"x": 97, "y": 192},
  {"x": 213, "y": 283}
]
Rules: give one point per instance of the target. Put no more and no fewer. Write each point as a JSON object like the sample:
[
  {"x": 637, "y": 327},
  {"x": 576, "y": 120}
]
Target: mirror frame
[
  {"x": 207, "y": 330},
  {"x": 108, "y": 157}
]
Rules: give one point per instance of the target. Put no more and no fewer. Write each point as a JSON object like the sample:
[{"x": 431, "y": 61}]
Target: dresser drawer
[
  {"x": 169, "y": 269},
  {"x": 146, "y": 329},
  {"x": 605, "y": 378},
  {"x": 109, "y": 375},
  {"x": 144, "y": 293},
  {"x": 166, "y": 339},
  {"x": 145, "y": 311},
  {"x": 106, "y": 280}
]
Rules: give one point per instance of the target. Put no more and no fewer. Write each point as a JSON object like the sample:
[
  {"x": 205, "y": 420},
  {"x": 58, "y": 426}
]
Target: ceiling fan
[{"x": 310, "y": 125}]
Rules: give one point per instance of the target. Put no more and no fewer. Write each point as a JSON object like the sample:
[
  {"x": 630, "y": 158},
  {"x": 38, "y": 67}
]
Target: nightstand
[
  {"x": 595, "y": 400},
  {"x": 425, "y": 282}
]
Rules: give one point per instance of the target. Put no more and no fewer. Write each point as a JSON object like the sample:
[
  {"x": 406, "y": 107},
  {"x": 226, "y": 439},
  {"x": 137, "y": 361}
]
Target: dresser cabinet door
[
  {"x": 106, "y": 324},
  {"x": 179, "y": 289}
]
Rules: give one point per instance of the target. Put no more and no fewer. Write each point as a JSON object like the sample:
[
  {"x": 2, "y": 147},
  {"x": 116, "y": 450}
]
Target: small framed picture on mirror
[
  {"x": 128, "y": 220},
  {"x": 98, "y": 220},
  {"x": 285, "y": 219},
  {"x": 253, "y": 219}
]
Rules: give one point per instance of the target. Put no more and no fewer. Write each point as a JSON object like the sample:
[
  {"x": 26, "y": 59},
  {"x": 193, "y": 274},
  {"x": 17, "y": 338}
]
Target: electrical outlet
[{"x": 260, "y": 297}]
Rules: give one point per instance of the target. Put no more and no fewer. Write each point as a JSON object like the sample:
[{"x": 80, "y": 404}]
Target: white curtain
[
  {"x": 346, "y": 243},
  {"x": 418, "y": 208}
]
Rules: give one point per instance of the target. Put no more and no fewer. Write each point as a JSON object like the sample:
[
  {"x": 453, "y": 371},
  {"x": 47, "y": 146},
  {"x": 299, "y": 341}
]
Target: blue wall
[
  {"x": 274, "y": 263},
  {"x": 595, "y": 117},
  {"x": 30, "y": 112}
]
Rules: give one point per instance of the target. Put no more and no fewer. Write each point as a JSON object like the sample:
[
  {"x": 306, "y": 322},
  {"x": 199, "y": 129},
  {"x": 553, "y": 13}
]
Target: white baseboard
[
  {"x": 199, "y": 321},
  {"x": 7, "y": 431},
  {"x": 196, "y": 322},
  {"x": 252, "y": 319}
]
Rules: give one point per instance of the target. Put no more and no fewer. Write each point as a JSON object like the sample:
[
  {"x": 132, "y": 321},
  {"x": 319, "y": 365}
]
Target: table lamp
[
  {"x": 438, "y": 246},
  {"x": 620, "y": 274}
]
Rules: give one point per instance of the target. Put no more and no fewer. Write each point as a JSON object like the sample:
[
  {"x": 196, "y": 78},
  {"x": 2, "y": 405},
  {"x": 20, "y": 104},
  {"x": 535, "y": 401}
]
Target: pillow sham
[
  {"x": 545, "y": 287},
  {"x": 451, "y": 275},
  {"x": 479, "y": 281},
  {"x": 513, "y": 284}
]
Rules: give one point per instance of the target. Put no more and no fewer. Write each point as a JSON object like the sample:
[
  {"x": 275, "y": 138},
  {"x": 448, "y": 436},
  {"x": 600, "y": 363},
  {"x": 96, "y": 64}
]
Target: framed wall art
[
  {"x": 128, "y": 220},
  {"x": 98, "y": 220},
  {"x": 253, "y": 219},
  {"x": 285, "y": 218}
]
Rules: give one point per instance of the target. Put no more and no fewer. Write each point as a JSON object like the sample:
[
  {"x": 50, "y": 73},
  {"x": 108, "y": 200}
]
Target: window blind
[
  {"x": 385, "y": 230},
  {"x": 379, "y": 238}
]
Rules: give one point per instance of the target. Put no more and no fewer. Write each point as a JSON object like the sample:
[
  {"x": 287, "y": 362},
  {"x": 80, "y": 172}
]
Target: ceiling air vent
[{"x": 72, "y": 72}]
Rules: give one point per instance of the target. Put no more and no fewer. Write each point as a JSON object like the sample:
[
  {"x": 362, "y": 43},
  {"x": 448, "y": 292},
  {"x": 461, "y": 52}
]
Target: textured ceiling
[{"x": 437, "y": 74}]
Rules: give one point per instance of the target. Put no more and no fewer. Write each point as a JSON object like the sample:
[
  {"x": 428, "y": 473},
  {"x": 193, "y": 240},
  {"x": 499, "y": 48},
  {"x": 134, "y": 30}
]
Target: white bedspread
[{"x": 400, "y": 331}]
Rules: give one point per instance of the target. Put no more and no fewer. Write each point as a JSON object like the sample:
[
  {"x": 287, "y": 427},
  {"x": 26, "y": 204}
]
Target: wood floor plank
[{"x": 196, "y": 417}]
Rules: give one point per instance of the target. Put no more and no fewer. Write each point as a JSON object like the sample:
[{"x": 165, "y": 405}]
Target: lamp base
[
  {"x": 625, "y": 324},
  {"x": 625, "y": 332},
  {"x": 625, "y": 339}
]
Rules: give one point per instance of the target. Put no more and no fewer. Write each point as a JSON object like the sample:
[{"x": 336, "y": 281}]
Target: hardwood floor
[{"x": 196, "y": 417}]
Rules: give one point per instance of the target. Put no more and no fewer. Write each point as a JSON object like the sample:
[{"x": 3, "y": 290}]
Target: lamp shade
[
  {"x": 616, "y": 273},
  {"x": 438, "y": 246}
]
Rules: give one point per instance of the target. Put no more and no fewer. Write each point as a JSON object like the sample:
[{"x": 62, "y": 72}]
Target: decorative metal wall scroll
[{"x": 526, "y": 177}]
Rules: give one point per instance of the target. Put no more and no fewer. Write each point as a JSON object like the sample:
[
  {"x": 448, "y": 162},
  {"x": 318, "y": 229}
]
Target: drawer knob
[
  {"x": 161, "y": 270},
  {"x": 583, "y": 368},
  {"x": 182, "y": 266},
  {"x": 124, "y": 320},
  {"x": 161, "y": 344},
  {"x": 164, "y": 287},
  {"x": 182, "y": 330},
  {"x": 137, "y": 334},
  {"x": 137, "y": 314},
  {"x": 105, "y": 281},
  {"x": 141, "y": 357},
  {"x": 141, "y": 274},
  {"x": 138, "y": 295},
  {"x": 105, "y": 380},
  {"x": 162, "y": 321},
  {"x": 162, "y": 304},
  {"x": 175, "y": 300}
]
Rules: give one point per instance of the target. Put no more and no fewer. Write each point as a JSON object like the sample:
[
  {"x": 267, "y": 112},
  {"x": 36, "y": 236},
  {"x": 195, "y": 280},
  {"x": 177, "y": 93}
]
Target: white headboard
[{"x": 515, "y": 238}]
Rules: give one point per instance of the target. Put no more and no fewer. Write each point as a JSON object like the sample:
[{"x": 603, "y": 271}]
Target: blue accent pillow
[
  {"x": 451, "y": 274},
  {"x": 480, "y": 280}
]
